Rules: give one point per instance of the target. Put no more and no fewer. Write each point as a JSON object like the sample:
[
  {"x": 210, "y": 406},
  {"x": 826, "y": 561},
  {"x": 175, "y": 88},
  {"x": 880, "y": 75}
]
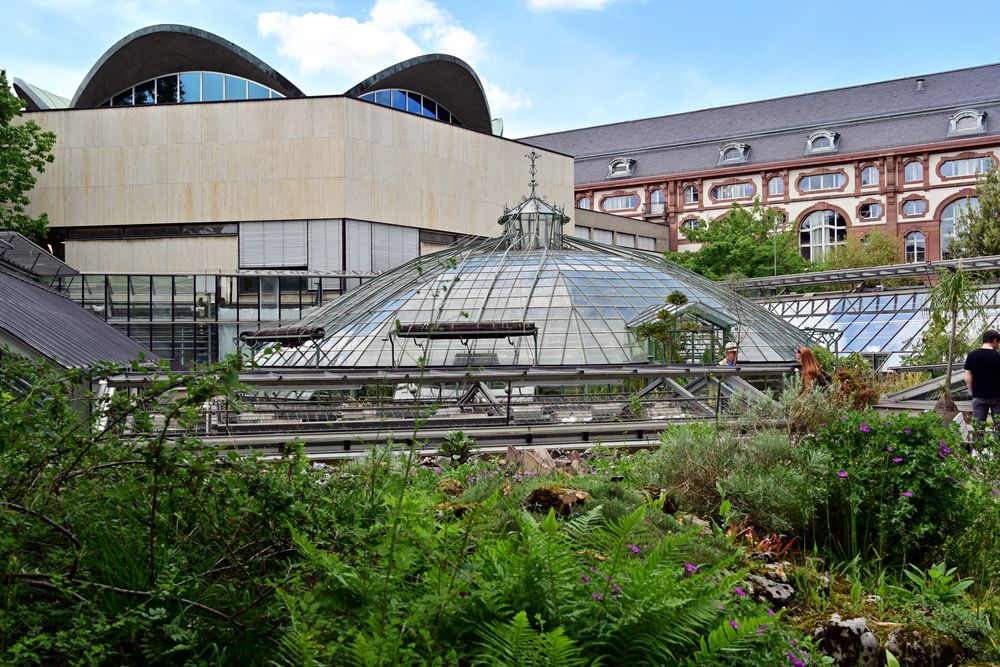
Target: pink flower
[
  {"x": 736, "y": 626},
  {"x": 907, "y": 431},
  {"x": 586, "y": 579},
  {"x": 842, "y": 474},
  {"x": 742, "y": 593},
  {"x": 907, "y": 494},
  {"x": 690, "y": 569},
  {"x": 770, "y": 612},
  {"x": 634, "y": 548},
  {"x": 898, "y": 459},
  {"x": 889, "y": 448},
  {"x": 865, "y": 428},
  {"x": 597, "y": 596},
  {"x": 462, "y": 594}
]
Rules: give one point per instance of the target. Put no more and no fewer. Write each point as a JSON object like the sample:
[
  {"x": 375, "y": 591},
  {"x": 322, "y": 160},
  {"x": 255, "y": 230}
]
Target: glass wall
[
  {"x": 191, "y": 87},
  {"x": 411, "y": 102}
]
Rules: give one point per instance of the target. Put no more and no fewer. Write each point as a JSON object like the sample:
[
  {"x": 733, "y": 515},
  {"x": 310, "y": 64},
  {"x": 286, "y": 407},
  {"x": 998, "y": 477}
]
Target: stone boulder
[
  {"x": 768, "y": 591},
  {"x": 917, "y": 646},
  {"x": 849, "y": 642}
]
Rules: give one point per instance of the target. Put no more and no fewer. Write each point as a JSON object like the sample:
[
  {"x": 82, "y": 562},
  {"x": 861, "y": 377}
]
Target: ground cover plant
[{"x": 157, "y": 549}]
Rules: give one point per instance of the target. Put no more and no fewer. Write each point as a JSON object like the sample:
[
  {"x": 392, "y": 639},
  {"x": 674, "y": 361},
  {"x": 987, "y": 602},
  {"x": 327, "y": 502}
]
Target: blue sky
[{"x": 547, "y": 64}]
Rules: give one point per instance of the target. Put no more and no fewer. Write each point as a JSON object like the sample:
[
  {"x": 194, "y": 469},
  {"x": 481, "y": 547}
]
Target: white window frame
[
  {"x": 621, "y": 167},
  {"x": 691, "y": 194},
  {"x": 911, "y": 250},
  {"x": 780, "y": 189},
  {"x": 978, "y": 118},
  {"x": 862, "y": 211},
  {"x": 866, "y": 180},
  {"x": 822, "y": 225},
  {"x": 832, "y": 137},
  {"x": 734, "y": 153},
  {"x": 913, "y": 166},
  {"x": 838, "y": 182}
]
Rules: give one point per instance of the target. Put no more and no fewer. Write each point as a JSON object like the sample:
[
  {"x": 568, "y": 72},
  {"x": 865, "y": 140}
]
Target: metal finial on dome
[{"x": 532, "y": 156}]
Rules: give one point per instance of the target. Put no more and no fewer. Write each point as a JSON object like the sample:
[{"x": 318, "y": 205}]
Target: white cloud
[
  {"x": 504, "y": 101},
  {"x": 395, "y": 30},
  {"x": 568, "y": 4}
]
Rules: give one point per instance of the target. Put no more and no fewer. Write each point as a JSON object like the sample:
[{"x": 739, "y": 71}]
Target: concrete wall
[
  {"x": 289, "y": 159},
  {"x": 219, "y": 254}
]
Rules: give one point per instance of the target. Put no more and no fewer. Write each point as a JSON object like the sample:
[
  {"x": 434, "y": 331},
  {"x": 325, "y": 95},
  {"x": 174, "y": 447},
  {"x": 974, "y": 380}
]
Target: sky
[{"x": 546, "y": 65}]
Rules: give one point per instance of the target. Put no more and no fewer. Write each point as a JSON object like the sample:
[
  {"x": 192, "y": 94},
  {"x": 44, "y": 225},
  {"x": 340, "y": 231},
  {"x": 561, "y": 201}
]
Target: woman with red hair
[{"x": 812, "y": 374}]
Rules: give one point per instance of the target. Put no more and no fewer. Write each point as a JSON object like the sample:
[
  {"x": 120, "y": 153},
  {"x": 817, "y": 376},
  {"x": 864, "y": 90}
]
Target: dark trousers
[{"x": 982, "y": 407}]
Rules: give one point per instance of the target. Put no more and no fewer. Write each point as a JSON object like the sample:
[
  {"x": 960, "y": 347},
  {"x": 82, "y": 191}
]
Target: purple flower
[
  {"x": 742, "y": 593},
  {"x": 722, "y": 607},
  {"x": 597, "y": 596},
  {"x": 843, "y": 417},
  {"x": 995, "y": 491},
  {"x": 907, "y": 431},
  {"x": 770, "y": 612},
  {"x": 898, "y": 459},
  {"x": 736, "y": 626},
  {"x": 462, "y": 594},
  {"x": 890, "y": 449},
  {"x": 907, "y": 494},
  {"x": 822, "y": 424},
  {"x": 842, "y": 474},
  {"x": 634, "y": 548},
  {"x": 586, "y": 579},
  {"x": 945, "y": 449},
  {"x": 616, "y": 587},
  {"x": 437, "y": 470},
  {"x": 794, "y": 660},
  {"x": 690, "y": 568},
  {"x": 865, "y": 428}
]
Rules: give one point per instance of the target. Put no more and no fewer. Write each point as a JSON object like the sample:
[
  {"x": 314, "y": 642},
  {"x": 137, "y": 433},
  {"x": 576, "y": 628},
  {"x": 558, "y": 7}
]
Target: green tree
[
  {"x": 874, "y": 249},
  {"x": 977, "y": 232},
  {"x": 742, "y": 241},
  {"x": 956, "y": 293},
  {"x": 24, "y": 151}
]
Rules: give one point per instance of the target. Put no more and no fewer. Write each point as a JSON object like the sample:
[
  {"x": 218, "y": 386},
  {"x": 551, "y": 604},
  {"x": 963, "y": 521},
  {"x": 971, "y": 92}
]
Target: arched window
[
  {"x": 869, "y": 176},
  {"x": 822, "y": 182},
  {"x": 913, "y": 172},
  {"x": 776, "y": 186},
  {"x": 656, "y": 201},
  {"x": 690, "y": 195},
  {"x": 914, "y": 247},
  {"x": 966, "y": 167},
  {"x": 620, "y": 203},
  {"x": 951, "y": 216},
  {"x": 823, "y": 141},
  {"x": 690, "y": 223},
  {"x": 583, "y": 202},
  {"x": 967, "y": 121},
  {"x": 821, "y": 231}
]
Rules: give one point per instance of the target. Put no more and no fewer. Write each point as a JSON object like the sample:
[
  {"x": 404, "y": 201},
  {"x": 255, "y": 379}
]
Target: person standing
[
  {"x": 982, "y": 377},
  {"x": 812, "y": 374},
  {"x": 732, "y": 349}
]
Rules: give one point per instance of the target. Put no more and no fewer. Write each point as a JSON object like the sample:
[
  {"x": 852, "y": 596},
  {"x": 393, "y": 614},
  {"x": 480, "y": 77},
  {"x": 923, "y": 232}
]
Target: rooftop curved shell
[
  {"x": 580, "y": 297},
  {"x": 167, "y": 48},
  {"x": 446, "y": 79}
]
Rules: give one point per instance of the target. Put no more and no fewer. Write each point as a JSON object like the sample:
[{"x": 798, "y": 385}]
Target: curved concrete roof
[
  {"x": 447, "y": 79},
  {"x": 168, "y": 48},
  {"x": 35, "y": 98}
]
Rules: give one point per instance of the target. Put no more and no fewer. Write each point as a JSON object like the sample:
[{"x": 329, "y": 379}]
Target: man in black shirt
[{"x": 982, "y": 377}]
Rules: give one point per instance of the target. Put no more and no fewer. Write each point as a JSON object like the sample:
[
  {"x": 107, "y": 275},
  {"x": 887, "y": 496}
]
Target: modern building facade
[
  {"x": 182, "y": 152},
  {"x": 898, "y": 156}
]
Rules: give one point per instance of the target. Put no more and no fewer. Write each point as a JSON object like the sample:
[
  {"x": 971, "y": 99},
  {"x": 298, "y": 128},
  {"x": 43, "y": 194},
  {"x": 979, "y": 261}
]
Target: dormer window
[
  {"x": 621, "y": 167},
  {"x": 822, "y": 141},
  {"x": 734, "y": 154},
  {"x": 967, "y": 121}
]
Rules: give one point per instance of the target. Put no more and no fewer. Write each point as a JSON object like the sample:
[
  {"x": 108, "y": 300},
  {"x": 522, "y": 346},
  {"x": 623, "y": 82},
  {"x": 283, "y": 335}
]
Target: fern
[
  {"x": 517, "y": 644},
  {"x": 727, "y": 638}
]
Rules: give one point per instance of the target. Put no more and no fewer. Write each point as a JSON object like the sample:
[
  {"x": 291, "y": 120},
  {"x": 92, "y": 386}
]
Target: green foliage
[
  {"x": 937, "y": 584},
  {"x": 977, "y": 233},
  {"x": 742, "y": 239},
  {"x": 457, "y": 446},
  {"x": 516, "y": 643},
  {"x": 774, "y": 484},
  {"x": 24, "y": 148},
  {"x": 955, "y": 294},
  {"x": 897, "y": 486},
  {"x": 874, "y": 249}
]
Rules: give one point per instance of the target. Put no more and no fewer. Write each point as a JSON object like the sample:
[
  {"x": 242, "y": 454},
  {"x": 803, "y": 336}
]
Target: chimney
[{"x": 920, "y": 85}]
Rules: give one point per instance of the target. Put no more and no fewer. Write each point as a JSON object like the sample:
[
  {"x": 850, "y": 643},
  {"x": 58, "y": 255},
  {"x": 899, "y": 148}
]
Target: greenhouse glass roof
[{"x": 531, "y": 296}]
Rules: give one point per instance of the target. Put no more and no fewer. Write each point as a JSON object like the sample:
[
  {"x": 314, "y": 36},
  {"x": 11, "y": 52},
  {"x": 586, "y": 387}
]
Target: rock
[
  {"x": 917, "y": 646},
  {"x": 441, "y": 462},
  {"x": 849, "y": 642},
  {"x": 776, "y": 593},
  {"x": 450, "y": 487},
  {"x": 536, "y": 461},
  {"x": 558, "y": 498}
]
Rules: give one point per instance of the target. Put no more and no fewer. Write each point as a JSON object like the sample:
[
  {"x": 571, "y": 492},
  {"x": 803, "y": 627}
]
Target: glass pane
[
  {"x": 190, "y": 87},
  {"x": 236, "y": 88},
  {"x": 399, "y": 100},
  {"x": 257, "y": 91},
  {"x": 166, "y": 89},
  {"x": 211, "y": 87},
  {"x": 123, "y": 98},
  {"x": 145, "y": 92},
  {"x": 383, "y": 97},
  {"x": 430, "y": 108},
  {"x": 444, "y": 114},
  {"x": 413, "y": 103}
]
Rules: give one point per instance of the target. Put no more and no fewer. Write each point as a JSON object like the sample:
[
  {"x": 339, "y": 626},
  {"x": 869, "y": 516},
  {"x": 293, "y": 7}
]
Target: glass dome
[{"x": 455, "y": 308}]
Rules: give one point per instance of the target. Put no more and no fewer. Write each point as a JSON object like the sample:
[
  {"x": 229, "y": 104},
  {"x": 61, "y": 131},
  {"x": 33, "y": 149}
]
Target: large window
[
  {"x": 820, "y": 232},
  {"x": 914, "y": 207},
  {"x": 870, "y": 211},
  {"x": 913, "y": 172},
  {"x": 951, "y": 217},
  {"x": 967, "y": 167},
  {"x": 733, "y": 191},
  {"x": 690, "y": 195},
  {"x": 914, "y": 247},
  {"x": 869, "y": 176},
  {"x": 191, "y": 87},
  {"x": 776, "y": 186},
  {"x": 620, "y": 203},
  {"x": 415, "y": 103},
  {"x": 821, "y": 182},
  {"x": 656, "y": 201}
]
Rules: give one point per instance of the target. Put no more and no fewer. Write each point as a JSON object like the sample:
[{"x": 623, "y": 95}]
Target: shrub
[
  {"x": 769, "y": 480},
  {"x": 896, "y": 485}
]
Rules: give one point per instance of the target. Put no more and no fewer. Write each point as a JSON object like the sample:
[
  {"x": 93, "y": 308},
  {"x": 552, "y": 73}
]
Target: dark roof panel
[
  {"x": 58, "y": 329},
  {"x": 868, "y": 117}
]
